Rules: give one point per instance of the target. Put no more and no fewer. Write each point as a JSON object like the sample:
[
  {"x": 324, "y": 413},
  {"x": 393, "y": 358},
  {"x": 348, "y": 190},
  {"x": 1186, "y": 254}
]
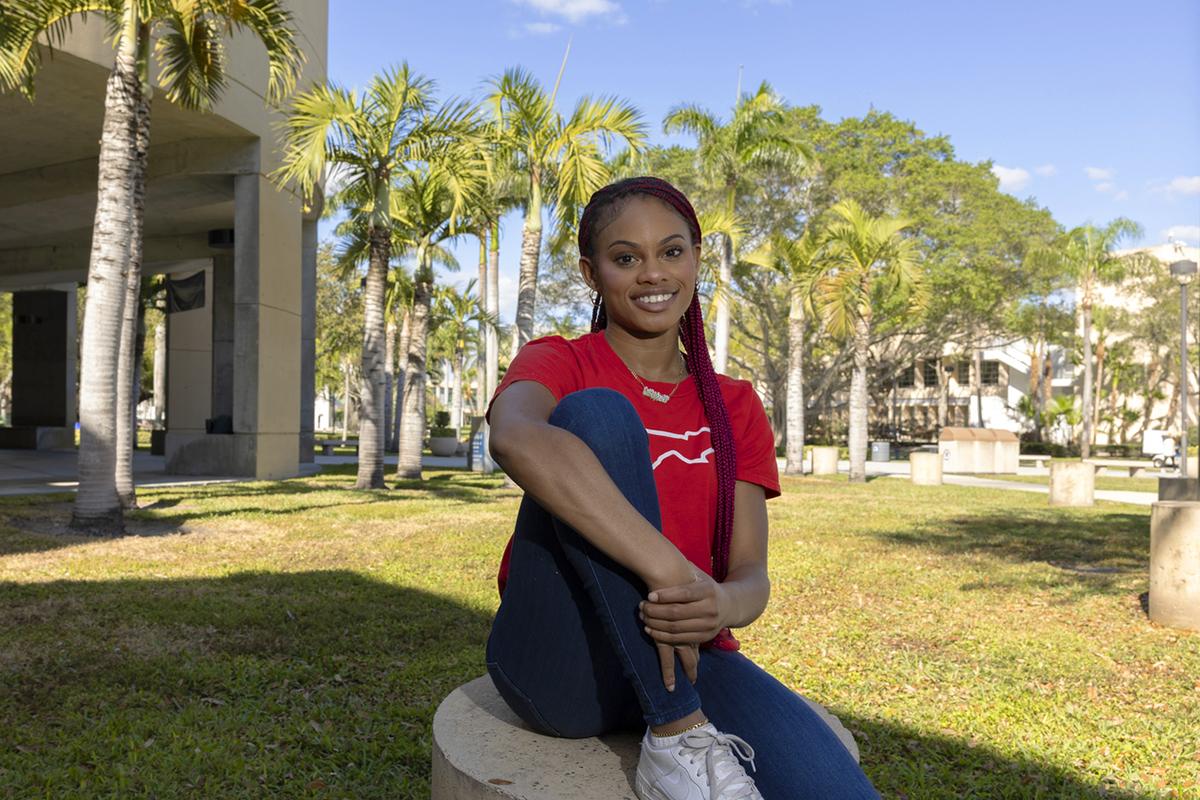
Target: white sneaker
[{"x": 697, "y": 765}]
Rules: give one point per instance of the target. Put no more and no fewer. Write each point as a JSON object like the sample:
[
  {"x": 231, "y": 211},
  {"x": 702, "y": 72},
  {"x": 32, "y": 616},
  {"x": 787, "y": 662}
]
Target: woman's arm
[
  {"x": 561, "y": 472},
  {"x": 696, "y": 611}
]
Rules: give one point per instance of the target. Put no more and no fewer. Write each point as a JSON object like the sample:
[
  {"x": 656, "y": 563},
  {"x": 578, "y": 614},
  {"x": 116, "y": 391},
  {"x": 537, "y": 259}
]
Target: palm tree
[
  {"x": 753, "y": 139},
  {"x": 365, "y": 142},
  {"x": 559, "y": 157},
  {"x": 431, "y": 200},
  {"x": 1089, "y": 254},
  {"x": 456, "y": 312},
  {"x": 799, "y": 260},
  {"x": 872, "y": 266},
  {"x": 191, "y": 60}
]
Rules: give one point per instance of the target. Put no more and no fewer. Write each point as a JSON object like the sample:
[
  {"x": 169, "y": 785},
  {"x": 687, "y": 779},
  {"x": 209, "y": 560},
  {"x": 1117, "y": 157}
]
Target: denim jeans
[{"x": 568, "y": 654}]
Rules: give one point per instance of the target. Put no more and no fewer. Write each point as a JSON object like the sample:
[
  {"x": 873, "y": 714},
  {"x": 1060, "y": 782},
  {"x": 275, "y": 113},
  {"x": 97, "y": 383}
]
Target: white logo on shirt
[{"x": 684, "y": 437}]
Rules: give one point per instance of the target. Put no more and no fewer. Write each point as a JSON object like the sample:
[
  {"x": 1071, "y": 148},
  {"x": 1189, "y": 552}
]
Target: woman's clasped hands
[{"x": 680, "y": 618}]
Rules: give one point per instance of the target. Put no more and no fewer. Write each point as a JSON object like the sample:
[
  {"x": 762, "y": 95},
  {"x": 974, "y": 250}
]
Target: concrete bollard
[
  {"x": 1072, "y": 483},
  {"x": 1175, "y": 564},
  {"x": 824, "y": 460},
  {"x": 925, "y": 469}
]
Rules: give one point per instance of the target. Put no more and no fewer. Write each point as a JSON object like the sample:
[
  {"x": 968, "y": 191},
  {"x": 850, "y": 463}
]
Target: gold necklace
[{"x": 654, "y": 394}]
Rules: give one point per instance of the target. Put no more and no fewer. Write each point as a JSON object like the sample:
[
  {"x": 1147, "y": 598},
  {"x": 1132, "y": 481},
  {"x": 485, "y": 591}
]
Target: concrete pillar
[
  {"x": 925, "y": 469},
  {"x": 160, "y": 373},
  {"x": 189, "y": 373},
  {"x": 44, "y": 336},
  {"x": 266, "y": 377},
  {"x": 1072, "y": 483},
  {"x": 824, "y": 460},
  {"x": 1175, "y": 564},
  {"x": 43, "y": 351},
  {"x": 308, "y": 335},
  {"x": 222, "y": 335}
]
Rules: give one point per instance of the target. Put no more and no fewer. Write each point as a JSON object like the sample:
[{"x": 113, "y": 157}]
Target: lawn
[
  {"x": 293, "y": 639},
  {"x": 1112, "y": 483}
]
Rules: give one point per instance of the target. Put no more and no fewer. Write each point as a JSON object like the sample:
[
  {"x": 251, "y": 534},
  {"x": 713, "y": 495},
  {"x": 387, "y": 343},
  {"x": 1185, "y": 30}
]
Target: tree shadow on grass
[
  {"x": 256, "y": 684},
  {"x": 904, "y": 763},
  {"x": 1095, "y": 551}
]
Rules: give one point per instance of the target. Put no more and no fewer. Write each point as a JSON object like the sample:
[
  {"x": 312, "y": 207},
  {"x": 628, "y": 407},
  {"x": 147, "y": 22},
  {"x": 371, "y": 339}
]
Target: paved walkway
[
  {"x": 899, "y": 469},
  {"x": 49, "y": 471}
]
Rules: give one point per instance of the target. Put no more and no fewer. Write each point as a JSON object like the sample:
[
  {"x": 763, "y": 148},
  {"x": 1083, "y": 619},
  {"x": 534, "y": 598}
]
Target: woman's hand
[{"x": 680, "y": 618}]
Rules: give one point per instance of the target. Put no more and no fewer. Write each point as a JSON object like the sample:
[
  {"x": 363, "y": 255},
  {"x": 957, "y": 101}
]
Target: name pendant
[{"x": 655, "y": 395}]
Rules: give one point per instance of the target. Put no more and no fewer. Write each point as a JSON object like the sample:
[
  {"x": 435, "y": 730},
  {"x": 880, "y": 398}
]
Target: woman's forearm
[
  {"x": 561, "y": 472},
  {"x": 747, "y": 588}
]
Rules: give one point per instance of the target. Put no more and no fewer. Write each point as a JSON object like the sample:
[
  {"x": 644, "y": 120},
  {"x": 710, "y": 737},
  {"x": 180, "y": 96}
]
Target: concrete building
[{"x": 245, "y": 354}]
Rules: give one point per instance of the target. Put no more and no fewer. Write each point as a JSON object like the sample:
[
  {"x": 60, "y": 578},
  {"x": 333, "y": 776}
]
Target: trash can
[{"x": 881, "y": 451}]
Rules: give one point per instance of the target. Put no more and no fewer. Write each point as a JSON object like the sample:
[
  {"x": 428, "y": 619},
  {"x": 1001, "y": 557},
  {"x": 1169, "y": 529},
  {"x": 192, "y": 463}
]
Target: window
[
  {"x": 929, "y": 372},
  {"x": 908, "y": 378},
  {"x": 963, "y": 373},
  {"x": 991, "y": 373}
]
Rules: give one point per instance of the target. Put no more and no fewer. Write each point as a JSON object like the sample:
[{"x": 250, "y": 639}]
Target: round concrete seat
[{"x": 481, "y": 749}]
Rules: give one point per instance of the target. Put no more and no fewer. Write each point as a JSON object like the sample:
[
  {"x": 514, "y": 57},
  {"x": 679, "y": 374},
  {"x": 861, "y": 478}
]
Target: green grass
[{"x": 293, "y": 639}]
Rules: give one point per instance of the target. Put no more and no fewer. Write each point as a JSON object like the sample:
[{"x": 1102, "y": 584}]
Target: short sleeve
[
  {"x": 550, "y": 361},
  {"x": 754, "y": 440}
]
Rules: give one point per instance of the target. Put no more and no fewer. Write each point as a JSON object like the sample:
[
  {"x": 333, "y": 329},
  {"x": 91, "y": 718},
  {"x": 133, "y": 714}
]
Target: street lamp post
[{"x": 1183, "y": 272}]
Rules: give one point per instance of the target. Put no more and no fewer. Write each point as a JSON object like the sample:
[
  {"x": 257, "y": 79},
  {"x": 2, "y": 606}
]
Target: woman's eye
[
  {"x": 621, "y": 259},
  {"x": 674, "y": 252}
]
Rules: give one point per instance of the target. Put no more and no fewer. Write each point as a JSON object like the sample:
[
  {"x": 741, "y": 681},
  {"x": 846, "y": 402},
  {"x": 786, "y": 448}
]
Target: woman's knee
[{"x": 605, "y": 420}]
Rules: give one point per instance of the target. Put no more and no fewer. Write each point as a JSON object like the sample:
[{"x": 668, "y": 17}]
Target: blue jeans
[{"x": 568, "y": 654}]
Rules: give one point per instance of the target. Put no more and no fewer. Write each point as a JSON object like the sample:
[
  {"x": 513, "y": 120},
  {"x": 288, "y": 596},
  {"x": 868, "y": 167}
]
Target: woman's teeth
[{"x": 656, "y": 298}]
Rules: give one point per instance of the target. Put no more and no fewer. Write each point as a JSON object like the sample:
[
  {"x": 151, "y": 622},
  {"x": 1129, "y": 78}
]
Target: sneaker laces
[{"x": 719, "y": 750}]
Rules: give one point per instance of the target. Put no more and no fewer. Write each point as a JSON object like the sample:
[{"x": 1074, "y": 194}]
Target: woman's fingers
[
  {"x": 689, "y": 657},
  {"x": 666, "y": 661},
  {"x": 695, "y": 637}
]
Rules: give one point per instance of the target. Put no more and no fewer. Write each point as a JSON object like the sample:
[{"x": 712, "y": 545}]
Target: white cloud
[
  {"x": 1045, "y": 170},
  {"x": 1121, "y": 195},
  {"x": 1100, "y": 173},
  {"x": 1011, "y": 178},
  {"x": 575, "y": 10},
  {"x": 1104, "y": 187},
  {"x": 1184, "y": 233},
  {"x": 1185, "y": 184},
  {"x": 542, "y": 28}
]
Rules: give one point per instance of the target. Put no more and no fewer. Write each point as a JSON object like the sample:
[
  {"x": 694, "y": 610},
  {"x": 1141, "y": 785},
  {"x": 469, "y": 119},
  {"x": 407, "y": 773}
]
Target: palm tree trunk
[
  {"x": 412, "y": 429},
  {"x": 724, "y": 287},
  {"x": 795, "y": 384},
  {"x": 345, "y": 400},
  {"x": 531, "y": 247},
  {"x": 132, "y": 311},
  {"x": 398, "y": 405},
  {"x": 456, "y": 396},
  {"x": 370, "y": 417},
  {"x": 493, "y": 308},
  {"x": 97, "y": 506},
  {"x": 389, "y": 381},
  {"x": 160, "y": 374},
  {"x": 1085, "y": 439},
  {"x": 858, "y": 402}
]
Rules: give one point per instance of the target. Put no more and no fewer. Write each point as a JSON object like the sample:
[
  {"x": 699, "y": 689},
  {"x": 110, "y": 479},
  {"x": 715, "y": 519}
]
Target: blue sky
[{"x": 1093, "y": 108}]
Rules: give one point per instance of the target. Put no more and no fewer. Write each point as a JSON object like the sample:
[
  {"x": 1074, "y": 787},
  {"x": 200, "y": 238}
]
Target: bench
[
  {"x": 1039, "y": 462},
  {"x": 328, "y": 445},
  {"x": 1135, "y": 469},
  {"x": 481, "y": 749}
]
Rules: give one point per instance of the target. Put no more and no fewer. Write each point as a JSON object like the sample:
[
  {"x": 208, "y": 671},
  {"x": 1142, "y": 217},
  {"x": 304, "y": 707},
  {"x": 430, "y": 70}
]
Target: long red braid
[{"x": 691, "y": 334}]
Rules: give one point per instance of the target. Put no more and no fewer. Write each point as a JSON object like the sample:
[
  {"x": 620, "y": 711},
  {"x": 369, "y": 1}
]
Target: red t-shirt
[{"x": 681, "y": 450}]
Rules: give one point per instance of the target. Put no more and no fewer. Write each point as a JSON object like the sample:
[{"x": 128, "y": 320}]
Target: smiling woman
[{"x": 642, "y": 538}]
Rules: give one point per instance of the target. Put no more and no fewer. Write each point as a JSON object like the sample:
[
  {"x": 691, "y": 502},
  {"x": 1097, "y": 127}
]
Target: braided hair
[{"x": 607, "y": 202}]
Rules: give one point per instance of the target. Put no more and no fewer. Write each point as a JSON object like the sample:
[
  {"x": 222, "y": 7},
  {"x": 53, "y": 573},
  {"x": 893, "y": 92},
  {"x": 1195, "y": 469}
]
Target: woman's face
[{"x": 644, "y": 264}]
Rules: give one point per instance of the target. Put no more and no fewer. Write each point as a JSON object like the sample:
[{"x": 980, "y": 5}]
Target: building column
[
  {"x": 189, "y": 383},
  {"x": 222, "y": 335},
  {"x": 308, "y": 336},
  {"x": 44, "y": 339},
  {"x": 266, "y": 376}
]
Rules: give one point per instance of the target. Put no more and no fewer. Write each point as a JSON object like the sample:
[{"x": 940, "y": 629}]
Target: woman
[{"x": 642, "y": 538}]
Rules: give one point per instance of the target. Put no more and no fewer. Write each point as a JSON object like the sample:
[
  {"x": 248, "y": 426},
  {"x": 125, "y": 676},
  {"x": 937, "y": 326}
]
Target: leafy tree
[
  {"x": 872, "y": 270},
  {"x": 191, "y": 63},
  {"x": 727, "y": 155},
  {"x": 366, "y": 142},
  {"x": 560, "y": 158}
]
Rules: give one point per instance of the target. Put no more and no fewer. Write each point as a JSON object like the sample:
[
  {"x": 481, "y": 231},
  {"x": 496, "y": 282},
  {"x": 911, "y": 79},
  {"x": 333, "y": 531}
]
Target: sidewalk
[{"x": 899, "y": 469}]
